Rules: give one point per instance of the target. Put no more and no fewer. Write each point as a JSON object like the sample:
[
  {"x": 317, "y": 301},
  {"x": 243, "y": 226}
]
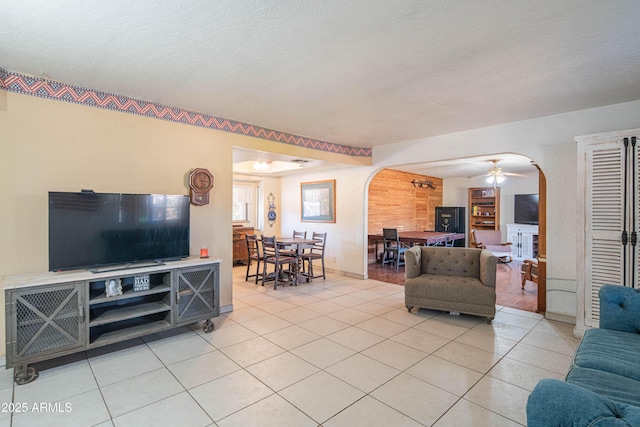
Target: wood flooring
[{"x": 509, "y": 292}]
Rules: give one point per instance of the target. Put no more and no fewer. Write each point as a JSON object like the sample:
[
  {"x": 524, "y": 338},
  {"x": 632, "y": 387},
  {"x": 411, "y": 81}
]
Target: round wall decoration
[{"x": 200, "y": 183}]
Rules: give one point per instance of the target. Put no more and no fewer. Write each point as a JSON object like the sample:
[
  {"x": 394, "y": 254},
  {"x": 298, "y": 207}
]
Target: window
[
  {"x": 242, "y": 197},
  {"x": 260, "y": 209}
]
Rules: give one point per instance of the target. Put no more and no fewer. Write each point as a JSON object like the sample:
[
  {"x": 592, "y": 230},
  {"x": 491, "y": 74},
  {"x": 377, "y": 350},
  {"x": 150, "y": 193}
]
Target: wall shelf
[{"x": 484, "y": 208}]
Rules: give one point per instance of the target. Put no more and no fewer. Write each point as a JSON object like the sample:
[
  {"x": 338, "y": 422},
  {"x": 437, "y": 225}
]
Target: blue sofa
[{"x": 602, "y": 387}]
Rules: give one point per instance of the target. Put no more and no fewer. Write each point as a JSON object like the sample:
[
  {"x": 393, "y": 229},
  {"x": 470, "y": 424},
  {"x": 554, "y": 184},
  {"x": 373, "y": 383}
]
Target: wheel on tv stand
[
  {"x": 208, "y": 326},
  {"x": 25, "y": 374}
]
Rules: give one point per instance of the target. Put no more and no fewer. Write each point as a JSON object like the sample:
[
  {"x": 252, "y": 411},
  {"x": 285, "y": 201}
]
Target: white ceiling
[
  {"x": 473, "y": 167},
  {"x": 279, "y": 164},
  {"x": 358, "y": 72}
]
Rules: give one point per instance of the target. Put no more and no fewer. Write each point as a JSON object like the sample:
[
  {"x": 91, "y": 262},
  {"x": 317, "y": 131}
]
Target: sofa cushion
[
  {"x": 451, "y": 261},
  {"x": 620, "y": 308},
  {"x": 450, "y": 288},
  {"x": 612, "y": 386},
  {"x": 556, "y": 403},
  {"x": 610, "y": 351}
]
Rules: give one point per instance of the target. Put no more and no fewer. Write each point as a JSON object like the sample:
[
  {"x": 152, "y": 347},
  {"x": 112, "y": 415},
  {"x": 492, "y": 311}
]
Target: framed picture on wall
[{"x": 318, "y": 201}]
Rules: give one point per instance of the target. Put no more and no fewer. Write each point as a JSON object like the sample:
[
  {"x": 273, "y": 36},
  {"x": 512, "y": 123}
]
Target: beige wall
[
  {"x": 48, "y": 145},
  {"x": 345, "y": 249}
]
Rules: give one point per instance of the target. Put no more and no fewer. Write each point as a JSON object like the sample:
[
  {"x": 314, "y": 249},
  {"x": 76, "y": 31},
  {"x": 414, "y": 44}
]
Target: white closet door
[{"x": 604, "y": 223}]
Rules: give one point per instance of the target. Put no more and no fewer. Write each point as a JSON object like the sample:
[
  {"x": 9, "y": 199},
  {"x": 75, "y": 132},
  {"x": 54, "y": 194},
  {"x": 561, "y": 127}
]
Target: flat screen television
[
  {"x": 91, "y": 230},
  {"x": 525, "y": 209}
]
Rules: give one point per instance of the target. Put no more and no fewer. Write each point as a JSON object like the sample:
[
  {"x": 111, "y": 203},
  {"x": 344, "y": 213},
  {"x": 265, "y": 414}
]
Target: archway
[{"x": 456, "y": 194}]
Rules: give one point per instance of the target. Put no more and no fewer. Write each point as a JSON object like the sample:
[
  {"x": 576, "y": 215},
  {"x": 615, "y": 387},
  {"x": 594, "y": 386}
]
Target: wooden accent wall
[{"x": 395, "y": 203}]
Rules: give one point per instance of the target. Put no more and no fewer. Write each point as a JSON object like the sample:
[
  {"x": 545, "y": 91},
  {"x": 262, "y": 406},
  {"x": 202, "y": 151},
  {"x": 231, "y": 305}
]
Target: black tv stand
[{"x": 126, "y": 267}]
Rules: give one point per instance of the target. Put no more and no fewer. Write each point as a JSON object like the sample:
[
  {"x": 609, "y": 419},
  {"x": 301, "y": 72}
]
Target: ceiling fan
[{"x": 495, "y": 175}]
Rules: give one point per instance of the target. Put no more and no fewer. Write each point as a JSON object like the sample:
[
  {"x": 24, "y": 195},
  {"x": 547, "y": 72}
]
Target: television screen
[
  {"x": 525, "y": 209},
  {"x": 88, "y": 230}
]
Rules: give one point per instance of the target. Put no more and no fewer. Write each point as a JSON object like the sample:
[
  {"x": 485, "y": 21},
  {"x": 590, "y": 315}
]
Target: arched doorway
[{"x": 455, "y": 193}]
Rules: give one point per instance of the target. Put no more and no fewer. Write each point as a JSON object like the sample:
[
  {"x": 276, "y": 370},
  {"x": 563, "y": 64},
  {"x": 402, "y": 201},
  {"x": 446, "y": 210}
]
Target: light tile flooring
[{"x": 337, "y": 352}]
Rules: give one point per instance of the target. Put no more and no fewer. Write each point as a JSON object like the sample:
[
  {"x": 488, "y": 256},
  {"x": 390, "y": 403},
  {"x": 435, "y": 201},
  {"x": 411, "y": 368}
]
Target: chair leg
[
  {"x": 264, "y": 272},
  {"x": 385, "y": 259},
  {"x": 279, "y": 272},
  {"x": 257, "y": 271},
  {"x": 246, "y": 276}
]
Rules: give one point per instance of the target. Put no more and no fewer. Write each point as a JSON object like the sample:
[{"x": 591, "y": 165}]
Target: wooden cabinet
[
  {"x": 484, "y": 208},
  {"x": 524, "y": 241},
  {"x": 53, "y": 314},
  {"x": 240, "y": 254}
]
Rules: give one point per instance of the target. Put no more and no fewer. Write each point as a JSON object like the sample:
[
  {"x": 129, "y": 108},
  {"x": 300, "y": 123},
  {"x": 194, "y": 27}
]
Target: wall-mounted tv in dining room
[
  {"x": 525, "y": 209},
  {"x": 90, "y": 230}
]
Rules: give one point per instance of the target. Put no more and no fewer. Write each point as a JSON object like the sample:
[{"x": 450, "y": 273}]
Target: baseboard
[
  {"x": 347, "y": 274},
  {"x": 560, "y": 317}
]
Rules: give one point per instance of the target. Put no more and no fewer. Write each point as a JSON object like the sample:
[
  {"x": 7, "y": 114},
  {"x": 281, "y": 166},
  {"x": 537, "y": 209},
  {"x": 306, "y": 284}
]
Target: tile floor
[{"x": 337, "y": 352}]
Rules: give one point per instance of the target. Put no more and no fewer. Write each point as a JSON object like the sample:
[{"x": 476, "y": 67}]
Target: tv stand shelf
[
  {"x": 53, "y": 314},
  {"x": 114, "y": 313}
]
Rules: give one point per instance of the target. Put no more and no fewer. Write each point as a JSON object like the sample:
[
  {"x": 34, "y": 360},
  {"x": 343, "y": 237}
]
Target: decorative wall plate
[{"x": 271, "y": 215}]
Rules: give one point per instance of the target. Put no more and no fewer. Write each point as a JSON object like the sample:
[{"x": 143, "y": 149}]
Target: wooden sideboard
[{"x": 240, "y": 254}]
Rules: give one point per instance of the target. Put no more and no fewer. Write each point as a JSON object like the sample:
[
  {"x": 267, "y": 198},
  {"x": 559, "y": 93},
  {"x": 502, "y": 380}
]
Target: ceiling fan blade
[
  {"x": 513, "y": 174},
  {"x": 484, "y": 175}
]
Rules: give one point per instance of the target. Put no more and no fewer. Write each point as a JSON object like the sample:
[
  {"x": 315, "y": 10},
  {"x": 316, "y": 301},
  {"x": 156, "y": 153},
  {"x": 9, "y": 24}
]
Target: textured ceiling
[{"x": 357, "y": 72}]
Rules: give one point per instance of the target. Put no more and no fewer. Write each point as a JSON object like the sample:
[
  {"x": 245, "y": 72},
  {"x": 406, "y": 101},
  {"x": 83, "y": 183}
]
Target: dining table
[
  {"x": 424, "y": 238},
  {"x": 298, "y": 245}
]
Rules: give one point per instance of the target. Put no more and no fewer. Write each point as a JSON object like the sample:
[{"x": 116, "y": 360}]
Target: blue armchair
[{"x": 602, "y": 387}]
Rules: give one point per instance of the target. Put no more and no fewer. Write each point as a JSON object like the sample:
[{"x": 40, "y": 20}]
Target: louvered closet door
[
  {"x": 607, "y": 260},
  {"x": 604, "y": 223}
]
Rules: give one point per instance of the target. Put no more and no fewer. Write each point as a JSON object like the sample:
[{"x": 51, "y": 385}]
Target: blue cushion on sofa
[
  {"x": 556, "y": 403},
  {"x": 620, "y": 308},
  {"x": 611, "y": 351},
  {"x": 612, "y": 386}
]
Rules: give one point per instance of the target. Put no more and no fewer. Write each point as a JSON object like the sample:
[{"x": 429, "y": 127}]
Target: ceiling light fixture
[
  {"x": 261, "y": 166},
  {"x": 495, "y": 179}
]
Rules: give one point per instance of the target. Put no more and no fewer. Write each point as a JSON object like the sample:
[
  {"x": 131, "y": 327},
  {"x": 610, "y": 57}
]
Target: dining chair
[
  {"x": 272, "y": 255},
  {"x": 293, "y": 250},
  {"x": 393, "y": 246},
  {"x": 253, "y": 248},
  {"x": 315, "y": 252},
  {"x": 299, "y": 234}
]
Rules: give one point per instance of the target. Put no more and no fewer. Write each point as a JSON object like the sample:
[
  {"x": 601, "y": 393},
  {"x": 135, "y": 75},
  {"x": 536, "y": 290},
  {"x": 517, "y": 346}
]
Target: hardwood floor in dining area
[{"x": 509, "y": 292}]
